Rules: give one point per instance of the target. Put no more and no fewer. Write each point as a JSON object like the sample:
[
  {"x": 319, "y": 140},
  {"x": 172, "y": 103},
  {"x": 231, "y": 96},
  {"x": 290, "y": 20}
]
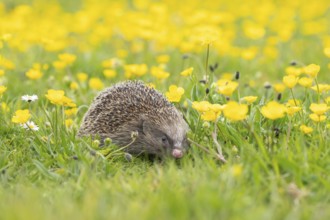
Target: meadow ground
[{"x": 250, "y": 77}]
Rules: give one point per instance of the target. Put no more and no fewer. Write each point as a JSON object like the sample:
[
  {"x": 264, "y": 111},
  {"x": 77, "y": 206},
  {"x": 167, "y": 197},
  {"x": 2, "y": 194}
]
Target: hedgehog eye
[{"x": 164, "y": 139}]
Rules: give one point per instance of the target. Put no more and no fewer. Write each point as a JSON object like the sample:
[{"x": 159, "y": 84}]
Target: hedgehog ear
[{"x": 143, "y": 125}]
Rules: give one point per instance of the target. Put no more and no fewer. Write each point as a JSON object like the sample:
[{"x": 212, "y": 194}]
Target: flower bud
[{"x": 107, "y": 141}]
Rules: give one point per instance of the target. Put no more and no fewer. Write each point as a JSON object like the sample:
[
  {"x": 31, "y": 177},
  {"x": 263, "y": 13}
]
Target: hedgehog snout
[{"x": 178, "y": 150}]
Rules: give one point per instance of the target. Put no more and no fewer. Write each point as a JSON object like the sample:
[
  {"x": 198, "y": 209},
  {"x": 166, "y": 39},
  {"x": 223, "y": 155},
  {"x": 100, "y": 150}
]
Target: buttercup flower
[
  {"x": 235, "y": 111},
  {"x": 236, "y": 170},
  {"x": 209, "y": 116},
  {"x": 305, "y": 129},
  {"x": 95, "y": 83},
  {"x": 163, "y": 58},
  {"x": 21, "y": 116},
  {"x": 187, "y": 72},
  {"x": 291, "y": 70},
  {"x": 327, "y": 51},
  {"x": 290, "y": 81},
  {"x": 135, "y": 70},
  {"x": 319, "y": 109},
  {"x": 159, "y": 72},
  {"x": 57, "y": 97},
  {"x": 70, "y": 112},
  {"x": 291, "y": 110},
  {"x": 74, "y": 85},
  {"x": 29, "y": 98},
  {"x": 34, "y": 74},
  {"x": 228, "y": 88},
  {"x": 202, "y": 106},
  {"x": 68, "y": 122},
  {"x": 250, "y": 99},
  {"x": 82, "y": 77},
  {"x": 109, "y": 73},
  {"x": 317, "y": 118},
  {"x": 273, "y": 110},
  {"x": 305, "y": 82},
  {"x": 67, "y": 58},
  {"x": 279, "y": 87},
  {"x": 2, "y": 89},
  {"x": 312, "y": 70},
  {"x": 174, "y": 94},
  {"x": 321, "y": 88},
  {"x": 4, "y": 107},
  {"x": 2, "y": 72},
  {"x": 112, "y": 63}
]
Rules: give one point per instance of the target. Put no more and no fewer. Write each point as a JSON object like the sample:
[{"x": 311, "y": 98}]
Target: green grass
[{"x": 273, "y": 170}]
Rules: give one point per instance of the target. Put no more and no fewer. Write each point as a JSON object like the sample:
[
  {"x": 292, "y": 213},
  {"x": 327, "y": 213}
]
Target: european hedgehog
[{"x": 129, "y": 107}]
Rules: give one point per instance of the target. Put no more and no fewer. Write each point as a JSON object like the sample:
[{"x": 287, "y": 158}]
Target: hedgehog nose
[{"x": 177, "y": 151}]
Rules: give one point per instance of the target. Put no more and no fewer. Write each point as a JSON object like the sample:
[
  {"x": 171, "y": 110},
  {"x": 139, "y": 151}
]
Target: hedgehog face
[{"x": 166, "y": 138}]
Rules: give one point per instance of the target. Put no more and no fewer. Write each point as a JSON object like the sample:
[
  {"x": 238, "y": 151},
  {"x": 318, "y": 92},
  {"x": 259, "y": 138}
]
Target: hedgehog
[{"x": 131, "y": 107}]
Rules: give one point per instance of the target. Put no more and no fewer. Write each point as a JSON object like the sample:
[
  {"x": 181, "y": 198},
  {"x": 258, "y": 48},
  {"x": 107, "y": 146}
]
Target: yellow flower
[
  {"x": 291, "y": 70},
  {"x": 135, "y": 70},
  {"x": 57, "y": 97},
  {"x": 67, "y": 58},
  {"x": 109, "y": 73},
  {"x": 202, "y": 106},
  {"x": 174, "y": 94},
  {"x": 328, "y": 100},
  {"x": 225, "y": 77},
  {"x": 34, "y": 74},
  {"x": 209, "y": 116},
  {"x": 237, "y": 170},
  {"x": 82, "y": 77},
  {"x": 273, "y": 110},
  {"x": 95, "y": 83},
  {"x": 327, "y": 51},
  {"x": 317, "y": 118},
  {"x": 306, "y": 129},
  {"x": 250, "y": 99},
  {"x": 228, "y": 88},
  {"x": 74, "y": 85},
  {"x": 305, "y": 82},
  {"x": 290, "y": 81},
  {"x": 70, "y": 112},
  {"x": 249, "y": 53},
  {"x": 318, "y": 109},
  {"x": 187, "y": 72},
  {"x": 159, "y": 72},
  {"x": 235, "y": 112},
  {"x": 293, "y": 102},
  {"x": 217, "y": 108},
  {"x": 121, "y": 53},
  {"x": 312, "y": 70},
  {"x": 68, "y": 122},
  {"x": 4, "y": 107},
  {"x": 59, "y": 64},
  {"x": 21, "y": 116},
  {"x": 291, "y": 110},
  {"x": 112, "y": 63},
  {"x": 2, "y": 72},
  {"x": 279, "y": 87},
  {"x": 163, "y": 59},
  {"x": 322, "y": 88},
  {"x": 2, "y": 89}
]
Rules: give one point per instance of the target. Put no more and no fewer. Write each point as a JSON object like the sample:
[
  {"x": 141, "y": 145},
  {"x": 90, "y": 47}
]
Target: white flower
[
  {"x": 29, "y": 98},
  {"x": 30, "y": 125}
]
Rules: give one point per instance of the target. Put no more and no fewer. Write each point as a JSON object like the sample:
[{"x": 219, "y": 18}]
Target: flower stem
[
  {"x": 207, "y": 63},
  {"x": 318, "y": 91}
]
